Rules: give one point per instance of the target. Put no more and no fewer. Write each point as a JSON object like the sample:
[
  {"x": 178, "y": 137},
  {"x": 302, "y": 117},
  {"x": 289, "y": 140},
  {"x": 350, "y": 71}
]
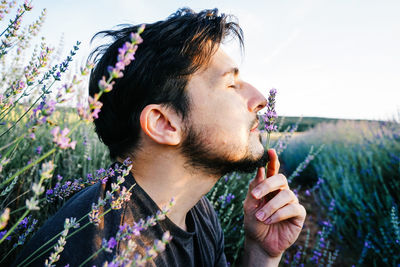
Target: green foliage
[{"x": 360, "y": 169}]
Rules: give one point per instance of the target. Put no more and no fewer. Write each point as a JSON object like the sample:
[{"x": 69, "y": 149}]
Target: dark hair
[{"x": 171, "y": 51}]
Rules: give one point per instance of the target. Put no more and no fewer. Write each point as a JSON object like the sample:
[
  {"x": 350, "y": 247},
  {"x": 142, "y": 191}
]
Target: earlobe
[{"x": 160, "y": 124}]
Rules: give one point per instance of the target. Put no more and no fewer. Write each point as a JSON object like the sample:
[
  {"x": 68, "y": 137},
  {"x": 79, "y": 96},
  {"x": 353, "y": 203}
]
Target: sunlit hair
[{"x": 172, "y": 50}]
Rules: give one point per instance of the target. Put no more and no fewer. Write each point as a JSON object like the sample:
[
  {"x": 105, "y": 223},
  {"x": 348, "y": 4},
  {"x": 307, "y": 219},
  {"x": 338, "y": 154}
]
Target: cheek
[{"x": 223, "y": 118}]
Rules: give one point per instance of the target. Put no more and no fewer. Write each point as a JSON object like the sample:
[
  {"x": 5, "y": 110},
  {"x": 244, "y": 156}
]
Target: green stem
[
  {"x": 91, "y": 257},
  {"x": 11, "y": 107},
  {"x": 11, "y": 250},
  {"x": 26, "y": 112},
  {"x": 15, "y": 140},
  {"x": 14, "y": 226},
  {"x": 267, "y": 147},
  {"x": 9, "y": 25},
  {"x": 21, "y": 208},
  {"x": 50, "y": 248},
  {"x": 27, "y": 167},
  {"x": 68, "y": 236},
  {"x": 38, "y": 160}
]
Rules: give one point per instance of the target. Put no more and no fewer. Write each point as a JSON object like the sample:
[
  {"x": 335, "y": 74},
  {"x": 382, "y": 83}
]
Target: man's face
[{"x": 221, "y": 128}]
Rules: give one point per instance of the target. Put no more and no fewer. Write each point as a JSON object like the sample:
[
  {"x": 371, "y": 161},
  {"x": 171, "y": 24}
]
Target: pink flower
[
  {"x": 104, "y": 86},
  {"x": 61, "y": 139},
  {"x": 95, "y": 106}
]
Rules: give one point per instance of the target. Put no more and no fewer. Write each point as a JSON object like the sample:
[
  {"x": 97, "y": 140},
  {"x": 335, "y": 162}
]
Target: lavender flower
[
  {"x": 3, "y": 233},
  {"x": 38, "y": 150},
  {"x": 62, "y": 191},
  {"x": 32, "y": 204},
  {"x": 125, "y": 234},
  {"x": 61, "y": 139},
  {"x": 22, "y": 238},
  {"x": 6, "y": 7},
  {"x": 311, "y": 156},
  {"x": 47, "y": 170},
  {"x": 94, "y": 214},
  {"x": 226, "y": 199},
  {"x": 125, "y": 56},
  {"x": 270, "y": 116},
  {"x": 59, "y": 247}
]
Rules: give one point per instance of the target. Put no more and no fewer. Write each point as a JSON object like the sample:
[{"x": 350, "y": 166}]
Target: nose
[{"x": 256, "y": 101}]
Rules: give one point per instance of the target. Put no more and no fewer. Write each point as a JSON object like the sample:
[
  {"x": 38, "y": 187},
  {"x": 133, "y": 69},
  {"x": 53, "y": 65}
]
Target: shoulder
[
  {"x": 204, "y": 206},
  {"x": 77, "y": 207},
  {"x": 205, "y": 216}
]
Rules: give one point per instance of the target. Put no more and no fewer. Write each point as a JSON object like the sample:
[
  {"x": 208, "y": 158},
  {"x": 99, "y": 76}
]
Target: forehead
[
  {"x": 218, "y": 67},
  {"x": 206, "y": 80},
  {"x": 221, "y": 63}
]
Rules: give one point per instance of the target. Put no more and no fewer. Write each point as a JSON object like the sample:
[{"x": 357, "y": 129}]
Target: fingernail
[
  {"x": 260, "y": 215},
  {"x": 256, "y": 193},
  {"x": 268, "y": 221}
]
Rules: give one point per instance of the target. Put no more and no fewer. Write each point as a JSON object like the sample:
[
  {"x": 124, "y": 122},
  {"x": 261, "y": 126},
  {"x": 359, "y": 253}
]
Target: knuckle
[
  {"x": 252, "y": 183},
  {"x": 303, "y": 210},
  {"x": 283, "y": 178},
  {"x": 299, "y": 209},
  {"x": 293, "y": 196},
  {"x": 264, "y": 186},
  {"x": 271, "y": 208}
]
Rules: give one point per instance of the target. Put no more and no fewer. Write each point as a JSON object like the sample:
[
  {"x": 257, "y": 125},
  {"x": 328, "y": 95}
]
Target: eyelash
[{"x": 233, "y": 86}]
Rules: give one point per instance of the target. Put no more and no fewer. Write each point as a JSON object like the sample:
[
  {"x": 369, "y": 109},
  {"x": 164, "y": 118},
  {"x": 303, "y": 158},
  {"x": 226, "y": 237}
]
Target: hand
[{"x": 273, "y": 217}]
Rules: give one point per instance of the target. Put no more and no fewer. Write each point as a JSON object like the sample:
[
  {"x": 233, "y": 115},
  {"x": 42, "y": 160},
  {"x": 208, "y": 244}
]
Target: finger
[
  {"x": 293, "y": 211},
  {"x": 282, "y": 199},
  {"x": 260, "y": 176},
  {"x": 273, "y": 164},
  {"x": 269, "y": 185},
  {"x": 250, "y": 202}
]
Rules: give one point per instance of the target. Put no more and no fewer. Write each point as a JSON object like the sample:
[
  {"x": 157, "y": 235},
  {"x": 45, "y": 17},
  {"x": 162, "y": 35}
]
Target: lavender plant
[
  {"x": 30, "y": 118},
  {"x": 355, "y": 175},
  {"x": 270, "y": 116}
]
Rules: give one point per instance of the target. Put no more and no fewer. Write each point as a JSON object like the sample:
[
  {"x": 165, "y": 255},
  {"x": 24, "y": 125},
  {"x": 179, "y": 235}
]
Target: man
[{"x": 184, "y": 116}]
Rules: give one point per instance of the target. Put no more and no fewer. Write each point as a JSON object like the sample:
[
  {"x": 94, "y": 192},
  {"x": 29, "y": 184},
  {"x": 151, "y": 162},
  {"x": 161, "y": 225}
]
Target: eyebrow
[{"x": 234, "y": 71}]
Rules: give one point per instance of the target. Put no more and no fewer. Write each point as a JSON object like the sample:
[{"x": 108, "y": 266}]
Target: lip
[{"x": 255, "y": 128}]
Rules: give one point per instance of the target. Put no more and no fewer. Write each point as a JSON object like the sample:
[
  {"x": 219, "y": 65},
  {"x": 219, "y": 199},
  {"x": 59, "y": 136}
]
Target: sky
[{"x": 336, "y": 59}]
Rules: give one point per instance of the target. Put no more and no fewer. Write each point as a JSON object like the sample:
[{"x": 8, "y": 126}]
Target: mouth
[{"x": 255, "y": 127}]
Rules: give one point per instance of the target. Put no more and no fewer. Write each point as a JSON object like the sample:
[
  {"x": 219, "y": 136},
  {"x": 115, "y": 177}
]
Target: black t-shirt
[{"x": 201, "y": 245}]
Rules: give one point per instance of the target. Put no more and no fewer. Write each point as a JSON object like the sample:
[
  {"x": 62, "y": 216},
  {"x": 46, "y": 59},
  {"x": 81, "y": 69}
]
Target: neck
[{"x": 164, "y": 176}]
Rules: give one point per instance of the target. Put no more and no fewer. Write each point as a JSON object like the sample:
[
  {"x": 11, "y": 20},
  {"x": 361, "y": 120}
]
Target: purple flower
[
  {"x": 3, "y": 233},
  {"x": 38, "y": 150},
  {"x": 270, "y": 115},
  {"x": 61, "y": 139},
  {"x": 24, "y": 222},
  {"x": 112, "y": 243}
]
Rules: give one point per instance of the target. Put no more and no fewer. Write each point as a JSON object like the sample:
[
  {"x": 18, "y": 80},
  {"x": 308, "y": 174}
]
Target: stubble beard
[{"x": 201, "y": 156}]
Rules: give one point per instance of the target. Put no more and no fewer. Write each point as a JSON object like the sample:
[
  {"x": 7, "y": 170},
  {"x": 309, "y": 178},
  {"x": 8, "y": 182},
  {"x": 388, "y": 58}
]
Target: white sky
[{"x": 338, "y": 59}]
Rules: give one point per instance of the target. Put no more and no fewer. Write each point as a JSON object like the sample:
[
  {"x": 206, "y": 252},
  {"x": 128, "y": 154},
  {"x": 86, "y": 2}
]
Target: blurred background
[{"x": 337, "y": 59}]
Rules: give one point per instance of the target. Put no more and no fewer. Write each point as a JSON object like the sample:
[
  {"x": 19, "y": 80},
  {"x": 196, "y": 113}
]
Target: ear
[{"x": 161, "y": 124}]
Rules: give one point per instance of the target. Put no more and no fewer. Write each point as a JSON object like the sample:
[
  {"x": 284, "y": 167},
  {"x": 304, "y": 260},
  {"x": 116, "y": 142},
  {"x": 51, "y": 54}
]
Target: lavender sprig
[
  {"x": 93, "y": 218},
  {"x": 270, "y": 116},
  {"x": 55, "y": 256},
  {"x": 127, "y": 232},
  {"x": 311, "y": 156},
  {"x": 126, "y": 54}
]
